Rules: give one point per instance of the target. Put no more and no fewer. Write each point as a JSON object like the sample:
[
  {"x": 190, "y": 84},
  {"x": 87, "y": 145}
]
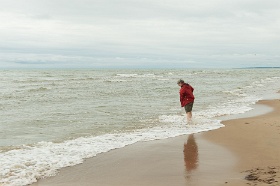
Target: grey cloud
[
  {"x": 41, "y": 16},
  {"x": 178, "y": 31}
]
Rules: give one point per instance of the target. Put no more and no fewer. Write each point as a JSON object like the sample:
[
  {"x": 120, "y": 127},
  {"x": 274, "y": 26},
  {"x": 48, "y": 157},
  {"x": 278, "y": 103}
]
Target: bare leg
[{"x": 189, "y": 117}]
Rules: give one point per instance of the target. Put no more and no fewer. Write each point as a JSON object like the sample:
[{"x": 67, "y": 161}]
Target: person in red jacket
[{"x": 186, "y": 98}]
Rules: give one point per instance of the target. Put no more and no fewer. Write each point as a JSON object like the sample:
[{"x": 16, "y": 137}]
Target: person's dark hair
[{"x": 180, "y": 81}]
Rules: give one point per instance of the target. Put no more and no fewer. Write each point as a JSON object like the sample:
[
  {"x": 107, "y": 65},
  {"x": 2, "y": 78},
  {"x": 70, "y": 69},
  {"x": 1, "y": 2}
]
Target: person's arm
[
  {"x": 181, "y": 97},
  {"x": 192, "y": 88}
]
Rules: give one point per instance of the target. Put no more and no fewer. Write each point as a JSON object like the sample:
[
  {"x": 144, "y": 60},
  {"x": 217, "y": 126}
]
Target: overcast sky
[{"x": 139, "y": 33}]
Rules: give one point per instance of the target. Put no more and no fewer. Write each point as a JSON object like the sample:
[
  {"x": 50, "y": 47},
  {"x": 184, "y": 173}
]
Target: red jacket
[{"x": 186, "y": 94}]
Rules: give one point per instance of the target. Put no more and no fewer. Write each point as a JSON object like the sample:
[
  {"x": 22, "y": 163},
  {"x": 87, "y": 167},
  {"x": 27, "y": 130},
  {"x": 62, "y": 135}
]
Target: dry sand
[
  {"x": 256, "y": 142},
  {"x": 245, "y": 147}
]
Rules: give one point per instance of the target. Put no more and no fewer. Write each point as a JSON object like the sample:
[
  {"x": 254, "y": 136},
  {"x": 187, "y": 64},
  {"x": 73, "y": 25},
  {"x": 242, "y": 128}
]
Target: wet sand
[
  {"x": 245, "y": 147},
  {"x": 177, "y": 161}
]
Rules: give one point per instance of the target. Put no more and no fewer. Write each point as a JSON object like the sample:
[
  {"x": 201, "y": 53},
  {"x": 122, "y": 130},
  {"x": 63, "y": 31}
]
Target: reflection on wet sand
[{"x": 190, "y": 155}]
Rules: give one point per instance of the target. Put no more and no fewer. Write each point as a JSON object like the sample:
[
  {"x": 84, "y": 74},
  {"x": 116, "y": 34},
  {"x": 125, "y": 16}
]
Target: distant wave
[{"x": 40, "y": 89}]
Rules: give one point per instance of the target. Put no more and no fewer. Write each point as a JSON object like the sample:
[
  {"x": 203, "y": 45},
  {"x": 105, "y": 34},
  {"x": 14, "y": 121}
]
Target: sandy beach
[
  {"x": 244, "y": 148},
  {"x": 255, "y": 141}
]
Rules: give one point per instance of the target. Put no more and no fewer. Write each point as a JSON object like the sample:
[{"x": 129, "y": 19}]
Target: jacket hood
[{"x": 185, "y": 84}]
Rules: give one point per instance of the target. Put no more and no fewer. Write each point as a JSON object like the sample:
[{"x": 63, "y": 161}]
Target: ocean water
[{"x": 51, "y": 119}]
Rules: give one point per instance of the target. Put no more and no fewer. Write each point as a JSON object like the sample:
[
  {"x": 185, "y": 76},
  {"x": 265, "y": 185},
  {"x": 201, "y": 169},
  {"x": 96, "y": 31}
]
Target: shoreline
[
  {"x": 180, "y": 160},
  {"x": 219, "y": 156}
]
